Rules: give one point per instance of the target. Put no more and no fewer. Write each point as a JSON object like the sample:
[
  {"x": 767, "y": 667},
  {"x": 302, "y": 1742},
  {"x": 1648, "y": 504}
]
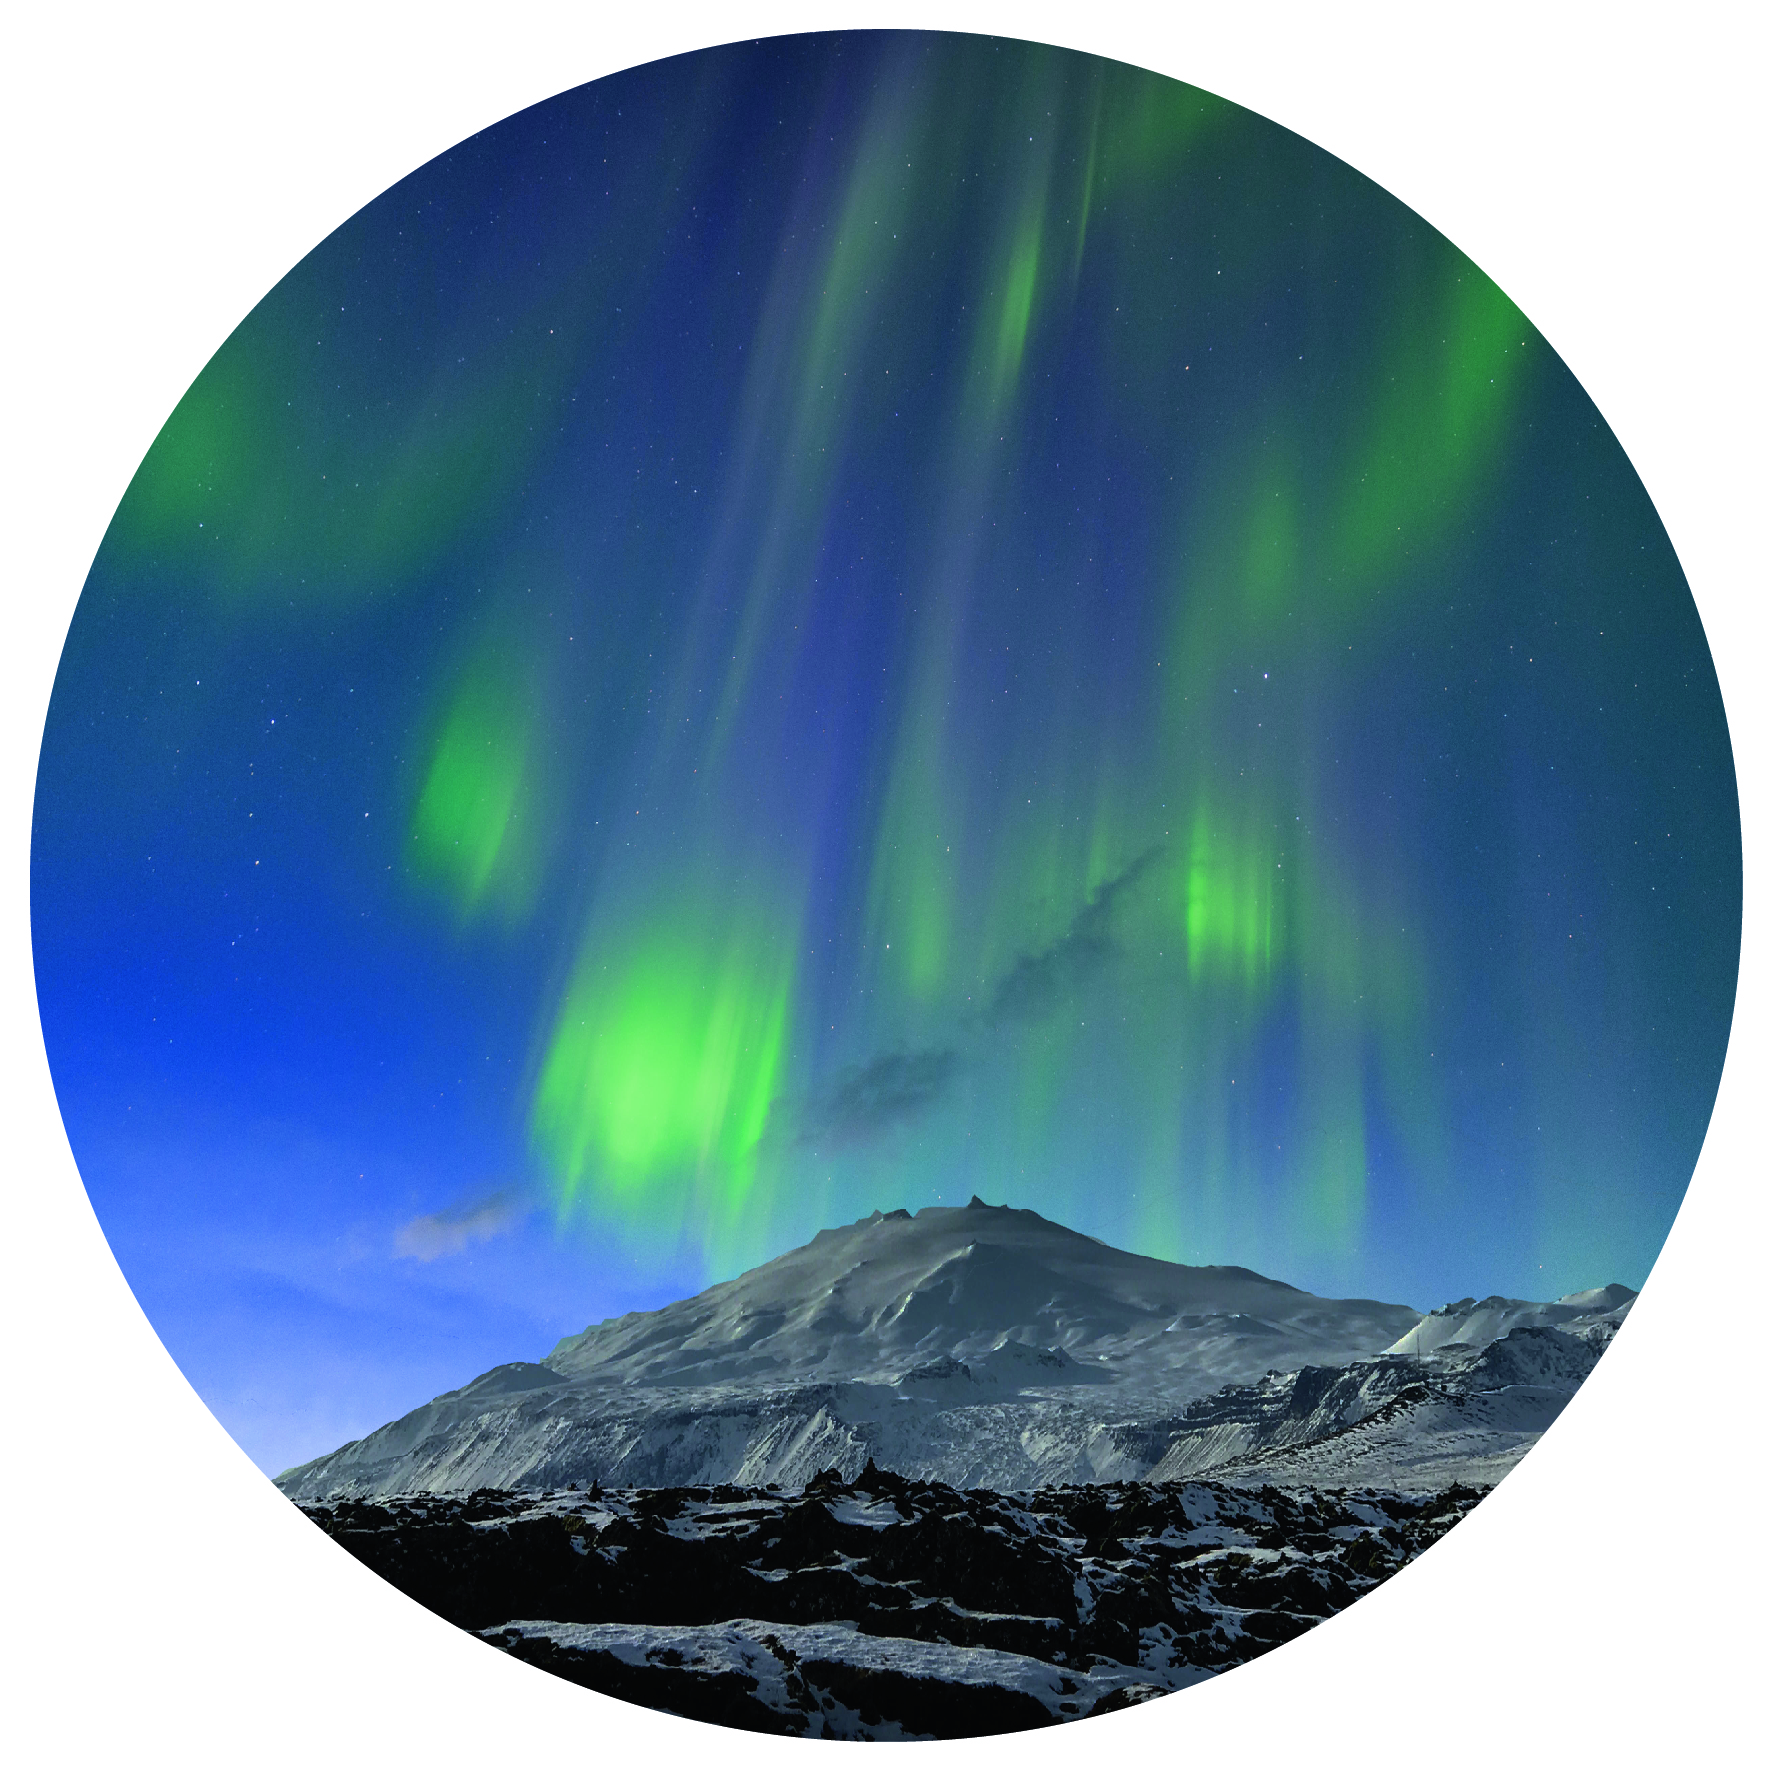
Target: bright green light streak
[
  {"x": 463, "y": 823},
  {"x": 1435, "y": 428},
  {"x": 1151, "y": 121},
  {"x": 254, "y": 486},
  {"x": 1088, "y": 194},
  {"x": 913, "y": 887},
  {"x": 1018, "y": 303},
  {"x": 211, "y": 441},
  {"x": 1231, "y": 913},
  {"x": 663, "y": 1062}
]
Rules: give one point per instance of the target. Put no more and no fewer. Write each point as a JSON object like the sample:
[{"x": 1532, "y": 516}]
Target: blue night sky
[{"x": 848, "y": 622}]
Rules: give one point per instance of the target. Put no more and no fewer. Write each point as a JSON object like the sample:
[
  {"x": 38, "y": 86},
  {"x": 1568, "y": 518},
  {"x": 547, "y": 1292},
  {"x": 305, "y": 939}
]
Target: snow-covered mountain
[
  {"x": 871, "y": 1300},
  {"x": 1475, "y": 1322},
  {"x": 988, "y": 1347}
]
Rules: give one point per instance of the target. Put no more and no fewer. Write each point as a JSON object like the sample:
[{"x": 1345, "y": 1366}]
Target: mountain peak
[{"x": 894, "y": 1291}]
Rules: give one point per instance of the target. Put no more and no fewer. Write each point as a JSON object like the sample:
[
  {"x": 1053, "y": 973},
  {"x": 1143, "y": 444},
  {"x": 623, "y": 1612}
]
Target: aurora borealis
[{"x": 847, "y": 622}]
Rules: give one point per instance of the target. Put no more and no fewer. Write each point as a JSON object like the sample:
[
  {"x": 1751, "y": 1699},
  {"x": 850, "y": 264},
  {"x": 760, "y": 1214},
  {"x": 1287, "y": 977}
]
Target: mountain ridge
[{"x": 858, "y": 1301}]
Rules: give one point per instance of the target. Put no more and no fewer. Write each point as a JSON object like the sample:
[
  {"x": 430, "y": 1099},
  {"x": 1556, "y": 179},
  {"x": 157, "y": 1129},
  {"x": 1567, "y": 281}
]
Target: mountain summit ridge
[{"x": 864, "y": 1301}]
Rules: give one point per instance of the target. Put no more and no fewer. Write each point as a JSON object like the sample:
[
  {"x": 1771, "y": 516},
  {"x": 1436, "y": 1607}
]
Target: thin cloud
[
  {"x": 1039, "y": 983},
  {"x": 451, "y": 1231},
  {"x": 896, "y": 1087},
  {"x": 864, "y": 1101}
]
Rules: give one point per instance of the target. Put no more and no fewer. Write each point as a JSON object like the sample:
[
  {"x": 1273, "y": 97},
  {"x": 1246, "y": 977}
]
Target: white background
[{"x": 166, "y": 165}]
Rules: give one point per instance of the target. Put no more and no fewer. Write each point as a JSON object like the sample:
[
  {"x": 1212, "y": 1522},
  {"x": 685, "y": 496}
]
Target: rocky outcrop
[{"x": 886, "y": 1607}]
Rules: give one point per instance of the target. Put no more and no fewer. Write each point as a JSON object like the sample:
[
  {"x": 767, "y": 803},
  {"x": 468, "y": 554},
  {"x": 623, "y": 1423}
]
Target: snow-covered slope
[
  {"x": 1474, "y": 1322},
  {"x": 1465, "y": 1416}
]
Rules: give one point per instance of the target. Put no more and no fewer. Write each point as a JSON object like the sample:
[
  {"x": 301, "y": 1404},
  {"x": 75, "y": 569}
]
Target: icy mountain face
[
  {"x": 1464, "y": 1416},
  {"x": 989, "y": 1348},
  {"x": 874, "y": 1299},
  {"x": 1472, "y": 1322},
  {"x": 939, "y": 1426}
]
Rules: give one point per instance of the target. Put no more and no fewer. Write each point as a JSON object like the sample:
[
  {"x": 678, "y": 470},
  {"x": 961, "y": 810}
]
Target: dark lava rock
[{"x": 894, "y": 1607}]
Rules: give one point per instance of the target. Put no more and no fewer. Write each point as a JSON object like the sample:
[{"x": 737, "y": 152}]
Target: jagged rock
[{"x": 886, "y": 1607}]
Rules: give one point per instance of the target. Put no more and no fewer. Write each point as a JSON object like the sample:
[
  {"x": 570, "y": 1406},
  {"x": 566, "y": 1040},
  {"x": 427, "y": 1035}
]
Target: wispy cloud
[
  {"x": 865, "y": 1100},
  {"x": 894, "y": 1087},
  {"x": 451, "y": 1231},
  {"x": 1039, "y": 983}
]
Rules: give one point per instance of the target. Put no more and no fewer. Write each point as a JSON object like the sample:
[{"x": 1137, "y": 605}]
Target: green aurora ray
[{"x": 928, "y": 615}]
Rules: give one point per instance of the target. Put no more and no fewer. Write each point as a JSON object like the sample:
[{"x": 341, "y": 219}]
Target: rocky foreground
[{"x": 888, "y": 1608}]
